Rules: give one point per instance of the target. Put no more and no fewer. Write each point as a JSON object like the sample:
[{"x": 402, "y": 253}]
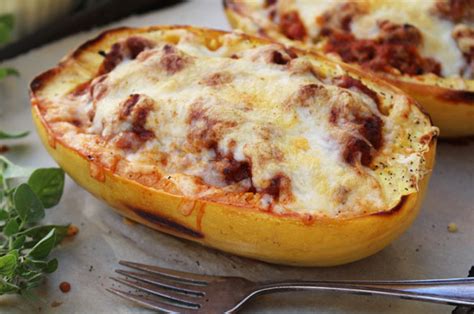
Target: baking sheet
[{"x": 427, "y": 250}]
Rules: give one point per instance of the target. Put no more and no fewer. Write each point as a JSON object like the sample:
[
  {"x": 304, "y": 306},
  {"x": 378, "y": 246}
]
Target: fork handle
[{"x": 455, "y": 291}]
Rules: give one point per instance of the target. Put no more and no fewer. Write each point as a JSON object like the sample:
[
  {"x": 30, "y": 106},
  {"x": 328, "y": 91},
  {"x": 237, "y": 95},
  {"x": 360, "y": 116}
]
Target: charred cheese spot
[
  {"x": 171, "y": 60},
  {"x": 166, "y": 223},
  {"x": 217, "y": 79}
]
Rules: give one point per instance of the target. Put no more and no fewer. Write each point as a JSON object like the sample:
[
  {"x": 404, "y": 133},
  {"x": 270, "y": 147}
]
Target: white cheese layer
[{"x": 259, "y": 115}]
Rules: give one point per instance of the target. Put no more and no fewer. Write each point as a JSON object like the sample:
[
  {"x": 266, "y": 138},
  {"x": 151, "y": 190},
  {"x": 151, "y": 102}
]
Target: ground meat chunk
[
  {"x": 232, "y": 170},
  {"x": 357, "y": 150},
  {"x": 127, "y": 49},
  {"x": 350, "y": 82},
  {"x": 217, "y": 79},
  {"x": 363, "y": 149},
  {"x": 128, "y": 105},
  {"x": 279, "y": 187},
  {"x": 339, "y": 18},
  {"x": 134, "y": 110},
  {"x": 464, "y": 37},
  {"x": 204, "y": 130},
  {"x": 400, "y": 34},
  {"x": 381, "y": 54},
  {"x": 292, "y": 26},
  {"x": 394, "y": 49},
  {"x": 455, "y": 10},
  {"x": 366, "y": 139}
]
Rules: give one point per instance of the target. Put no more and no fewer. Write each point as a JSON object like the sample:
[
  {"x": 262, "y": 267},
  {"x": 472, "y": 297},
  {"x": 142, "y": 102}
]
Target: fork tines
[{"x": 162, "y": 289}]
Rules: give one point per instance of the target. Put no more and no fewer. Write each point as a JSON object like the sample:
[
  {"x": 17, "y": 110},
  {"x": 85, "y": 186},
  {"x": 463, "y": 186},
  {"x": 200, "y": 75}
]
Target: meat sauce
[
  {"x": 279, "y": 188},
  {"x": 393, "y": 49},
  {"x": 205, "y": 133},
  {"x": 135, "y": 109},
  {"x": 349, "y": 82},
  {"x": 361, "y": 148},
  {"x": 171, "y": 61},
  {"x": 396, "y": 47},
  {"x": 292, "y": 26},
  {"x": 464, "y": 37},
  {"x": 456, "y": 10}
]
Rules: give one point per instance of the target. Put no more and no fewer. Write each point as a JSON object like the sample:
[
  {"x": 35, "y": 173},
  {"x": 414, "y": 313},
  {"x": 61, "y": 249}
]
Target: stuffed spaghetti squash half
[
  {"x": 424, "y": 47},
  {"x": 238, "y": 143}
]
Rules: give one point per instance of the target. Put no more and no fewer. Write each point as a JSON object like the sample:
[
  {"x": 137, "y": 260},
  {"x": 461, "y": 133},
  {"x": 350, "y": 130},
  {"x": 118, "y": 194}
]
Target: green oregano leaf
[
  {"x": 44, "y": 246},
  {"x": 18, "y": 243},
  {"x": 6, "y": 27},
  {"x": 3, "y": 215},
  {"x": 11, "y": 227},
  {"x": 48, "y": 185},
  {"x": 11, "y": 171},
  {"x": 28, "y": 205},
  {"x": 8, "y": 263},
  {"x": 4, "y": 135},
  {"x": 24, "y": 244},
  {"x": 51, "y": 266}
]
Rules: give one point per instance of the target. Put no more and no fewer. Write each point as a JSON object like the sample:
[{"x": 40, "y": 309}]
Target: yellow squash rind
[{"x": 249, "y": 232}]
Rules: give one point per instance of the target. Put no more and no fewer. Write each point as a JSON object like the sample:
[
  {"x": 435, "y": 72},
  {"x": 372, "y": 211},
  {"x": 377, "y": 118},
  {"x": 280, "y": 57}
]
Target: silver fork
[{"x": 174, "y": 291}]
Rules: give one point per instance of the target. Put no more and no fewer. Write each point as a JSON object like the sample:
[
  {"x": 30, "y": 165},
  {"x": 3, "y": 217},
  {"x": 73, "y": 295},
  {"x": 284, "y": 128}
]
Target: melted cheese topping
[
  {"x": 236, "y": 105},
  {"x": 438, "y": 42}
]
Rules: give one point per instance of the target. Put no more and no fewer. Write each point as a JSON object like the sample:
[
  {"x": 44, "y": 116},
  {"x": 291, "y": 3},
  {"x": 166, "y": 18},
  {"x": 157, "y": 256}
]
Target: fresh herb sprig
[
  {"x": 24, "y": 244},
  {"x": 7, "y": 22},
  {"x": 24, "y": 196},
  {"x": 7, "y": 136}
]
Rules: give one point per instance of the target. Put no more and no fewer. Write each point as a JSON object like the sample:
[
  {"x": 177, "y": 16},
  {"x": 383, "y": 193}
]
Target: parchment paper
[{"x": 427, "y": 250}]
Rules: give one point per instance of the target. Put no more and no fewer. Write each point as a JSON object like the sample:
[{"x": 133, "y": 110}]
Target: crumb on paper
[
  {"x": 128, "y": 222},
  {"x": 4, "y": 148},
  {"x": 56, "y": 303},
  {"x": 65, "y": 287},
  {"x": 452, "y": 227},
  {"x": 72, "y": 230}
]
